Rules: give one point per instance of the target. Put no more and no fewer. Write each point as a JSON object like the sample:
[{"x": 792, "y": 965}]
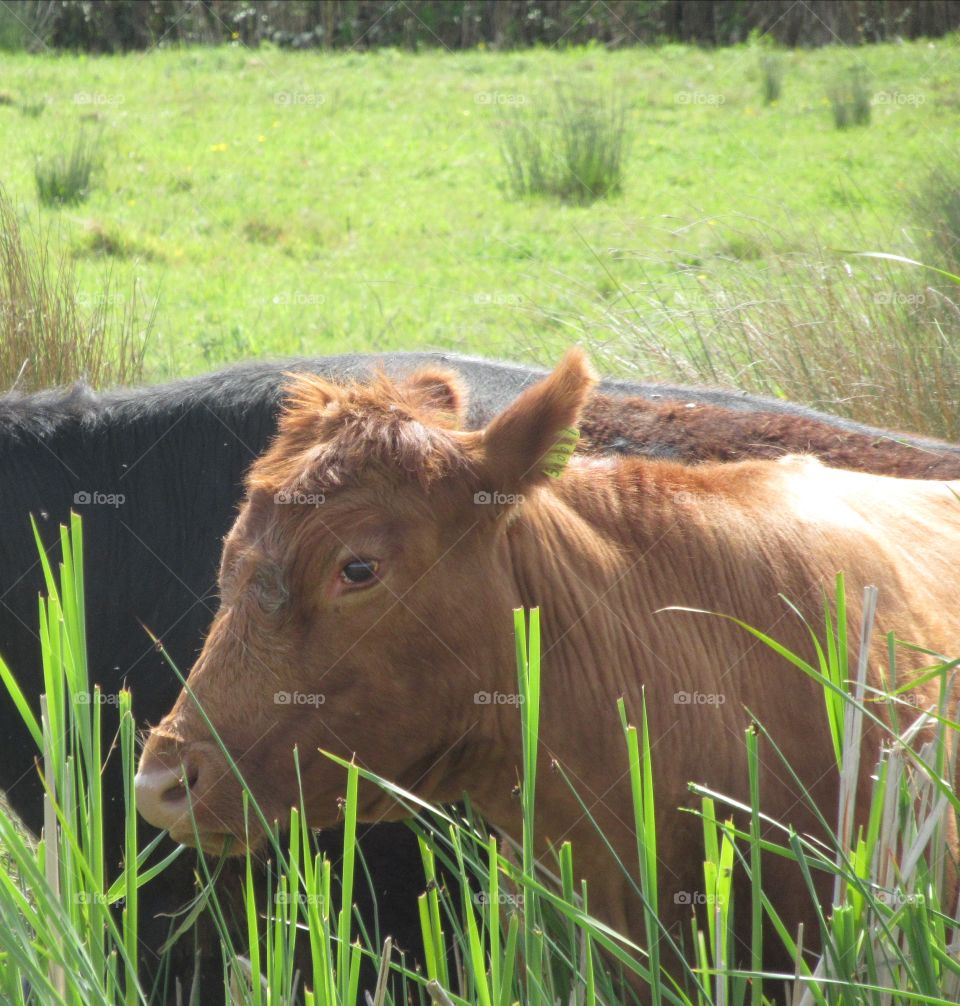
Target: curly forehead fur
[{"x": 330, "y": 433}]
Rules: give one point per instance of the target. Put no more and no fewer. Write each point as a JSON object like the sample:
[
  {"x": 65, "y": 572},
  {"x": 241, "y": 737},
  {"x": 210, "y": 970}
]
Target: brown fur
[
  {"x": 694, "y": 432},
  {"x": 602, "y": 550}
]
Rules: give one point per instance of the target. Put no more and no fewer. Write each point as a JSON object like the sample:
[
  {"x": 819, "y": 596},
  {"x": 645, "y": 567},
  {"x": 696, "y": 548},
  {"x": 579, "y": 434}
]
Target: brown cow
[{"x": 373, "y": 569}]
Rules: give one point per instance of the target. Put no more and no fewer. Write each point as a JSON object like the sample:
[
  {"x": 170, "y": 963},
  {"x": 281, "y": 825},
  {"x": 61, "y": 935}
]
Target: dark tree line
[{"x": 118, "y": 25}]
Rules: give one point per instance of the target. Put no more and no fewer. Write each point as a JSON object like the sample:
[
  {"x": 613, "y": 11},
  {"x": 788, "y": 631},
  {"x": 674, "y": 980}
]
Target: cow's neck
[
  {"x": 601, "y": 553},
  {"x": 605, "y": 550}
]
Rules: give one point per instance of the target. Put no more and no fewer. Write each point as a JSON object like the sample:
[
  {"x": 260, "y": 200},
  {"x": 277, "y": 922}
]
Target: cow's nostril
[
  {"x": 162, "y": 791},
  {"x": 187, "y": 780}
]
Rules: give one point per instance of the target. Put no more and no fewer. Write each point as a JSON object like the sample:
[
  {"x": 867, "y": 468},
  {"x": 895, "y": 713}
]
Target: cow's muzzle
[{"x": 173, "y": 784}]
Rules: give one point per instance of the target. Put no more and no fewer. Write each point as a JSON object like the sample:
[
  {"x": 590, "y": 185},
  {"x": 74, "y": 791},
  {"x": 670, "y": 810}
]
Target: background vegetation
[
  {"x": 273, "y": 202},
  {"x": 118, "y": 25}
]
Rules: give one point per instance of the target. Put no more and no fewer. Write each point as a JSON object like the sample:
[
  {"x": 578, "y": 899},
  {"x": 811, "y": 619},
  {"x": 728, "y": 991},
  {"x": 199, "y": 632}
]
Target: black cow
[{"x": 156, "y": 473}]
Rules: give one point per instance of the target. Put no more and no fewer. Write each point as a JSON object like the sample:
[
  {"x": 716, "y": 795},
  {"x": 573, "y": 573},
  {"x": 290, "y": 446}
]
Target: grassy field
[
  {"x": 273, "y": 202},
  {"x": 278, "y": 202}
]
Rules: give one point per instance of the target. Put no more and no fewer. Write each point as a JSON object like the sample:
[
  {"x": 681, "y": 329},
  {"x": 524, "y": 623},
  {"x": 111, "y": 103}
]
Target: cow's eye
[{"x": 358, "y": 571}]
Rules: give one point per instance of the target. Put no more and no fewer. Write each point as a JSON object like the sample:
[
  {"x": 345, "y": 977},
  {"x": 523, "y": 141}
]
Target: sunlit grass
[
  {"x": 869, "y": 337},
  {"x": 50, "y": 332},
  {"x": 274, "y": 189},
  {"x": 573, "y": 150},
  {"x": 64, "y": 177}
]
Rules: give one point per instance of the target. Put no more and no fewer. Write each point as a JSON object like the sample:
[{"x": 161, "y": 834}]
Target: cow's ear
[
  {"x": 440, "y": 391},
  {"x": 533, "y": 439}
]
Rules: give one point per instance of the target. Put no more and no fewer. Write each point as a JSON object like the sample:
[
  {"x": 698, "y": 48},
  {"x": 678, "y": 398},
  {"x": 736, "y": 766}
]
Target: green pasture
[{"x": 279, "y": 202}]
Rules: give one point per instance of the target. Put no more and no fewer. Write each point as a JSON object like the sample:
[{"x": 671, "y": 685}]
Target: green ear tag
[{"x": 555, "y": 460}]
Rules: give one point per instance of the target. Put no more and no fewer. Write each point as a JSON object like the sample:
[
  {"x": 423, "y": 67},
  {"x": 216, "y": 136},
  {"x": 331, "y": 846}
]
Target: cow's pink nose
[{"x": 162, "y": 792}]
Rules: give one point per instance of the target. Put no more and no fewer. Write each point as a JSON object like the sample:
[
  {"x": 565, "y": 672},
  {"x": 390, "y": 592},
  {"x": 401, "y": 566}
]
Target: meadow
[
  {"x": 273, "y": 202},
  {"x": 260, "y": 202}
]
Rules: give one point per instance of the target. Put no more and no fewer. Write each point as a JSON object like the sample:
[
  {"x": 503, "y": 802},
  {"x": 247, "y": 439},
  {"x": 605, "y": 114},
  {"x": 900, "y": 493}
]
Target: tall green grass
[
  {"x": 574, "y": 151},
  {"x": 869, "y": 338},
  {"x": 69, "y": 933},
  {"x": 771, "y": 77},
  {"x": 64, "y": 178},
  {"x": 886, "y": 938},
  {"x": 501, "y": 925},
  {"x": 934, "y": 206},
  {"x": 51, "y": 332},
  {"x": 849, "y": 98}
]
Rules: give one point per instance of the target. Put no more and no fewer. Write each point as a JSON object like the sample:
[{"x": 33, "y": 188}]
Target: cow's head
[{"x": 366, "y": 591}]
